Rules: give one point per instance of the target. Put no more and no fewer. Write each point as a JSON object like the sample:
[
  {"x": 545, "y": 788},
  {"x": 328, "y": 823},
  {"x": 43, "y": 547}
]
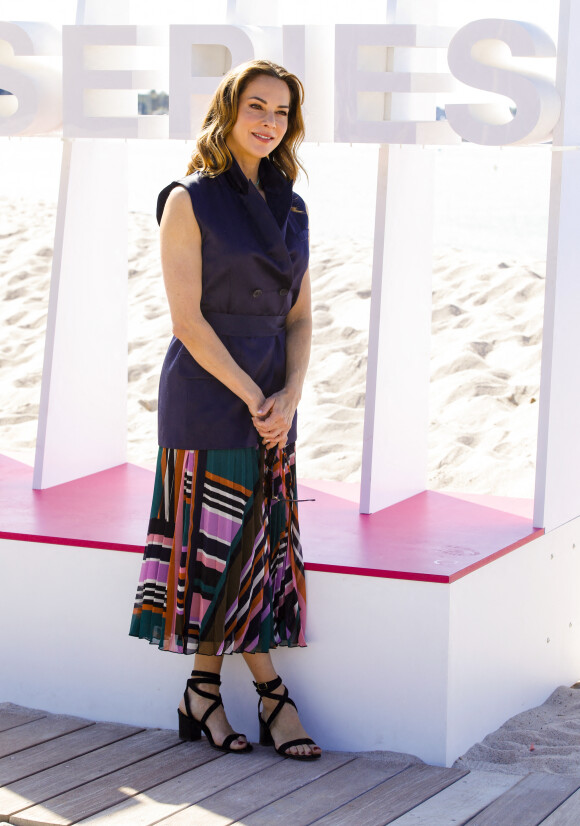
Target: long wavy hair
[{"x": 211, "y": 154}]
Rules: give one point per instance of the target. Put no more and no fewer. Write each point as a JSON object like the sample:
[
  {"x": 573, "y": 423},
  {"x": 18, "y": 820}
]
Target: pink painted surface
[
  {"x": 108, "y": 509},
  {"x": 519, "y": 507},
  {"x": 434, "y": 537}
]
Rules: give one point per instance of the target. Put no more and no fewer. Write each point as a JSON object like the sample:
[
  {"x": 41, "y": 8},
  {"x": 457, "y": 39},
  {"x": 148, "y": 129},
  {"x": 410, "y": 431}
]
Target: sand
[
  {"x": 542, "y": 739},
  {"x": 26, "y": 239},
  {"x": 485, "y": 371}
]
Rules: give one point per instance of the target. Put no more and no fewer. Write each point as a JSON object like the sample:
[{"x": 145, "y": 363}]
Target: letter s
[
  {"x": 29, "y": 70},
  {"x": 477, "y": 57}
]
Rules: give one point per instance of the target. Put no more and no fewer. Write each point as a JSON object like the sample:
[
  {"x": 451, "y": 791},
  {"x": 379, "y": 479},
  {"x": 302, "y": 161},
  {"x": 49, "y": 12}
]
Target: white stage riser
[{"x": 414, "y": 667}]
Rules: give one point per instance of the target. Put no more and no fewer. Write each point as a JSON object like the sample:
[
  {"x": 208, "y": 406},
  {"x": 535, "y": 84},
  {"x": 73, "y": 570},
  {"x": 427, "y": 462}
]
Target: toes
[
  {"x": 237, "y": 745},
  {"x": 299, "y": 751},
  {"x": 304, "y": 750}
]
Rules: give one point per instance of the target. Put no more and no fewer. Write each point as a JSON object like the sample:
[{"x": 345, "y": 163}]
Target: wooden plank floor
[{"x": 64, "y": 770}]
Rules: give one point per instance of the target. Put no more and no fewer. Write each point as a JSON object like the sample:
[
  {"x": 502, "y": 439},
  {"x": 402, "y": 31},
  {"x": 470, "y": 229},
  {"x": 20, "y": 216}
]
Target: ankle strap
[
  {"x": 206, "y": 677},
  {"x": 266, "y": 688}
]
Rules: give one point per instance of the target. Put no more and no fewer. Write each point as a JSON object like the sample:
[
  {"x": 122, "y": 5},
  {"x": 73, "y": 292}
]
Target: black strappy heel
[
  {"x": 266, "y": 739},
  {"x": 190, "y": 728}
]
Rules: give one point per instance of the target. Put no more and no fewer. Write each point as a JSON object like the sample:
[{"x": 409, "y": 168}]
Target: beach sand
[{"x": 542, "y": 739}]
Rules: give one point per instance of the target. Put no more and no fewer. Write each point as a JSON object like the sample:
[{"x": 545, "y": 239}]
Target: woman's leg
[
  {"x": 217, "y": 722},
  {"x": 286, "y": 726}
]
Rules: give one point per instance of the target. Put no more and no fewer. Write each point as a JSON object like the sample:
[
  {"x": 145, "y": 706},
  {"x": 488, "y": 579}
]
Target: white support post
[
  {"x": 394, "y": 461},
  {"x": 557, "y": 498},
  {"x": 394, "y": 464},
  {"x": 82, "y": 425}
]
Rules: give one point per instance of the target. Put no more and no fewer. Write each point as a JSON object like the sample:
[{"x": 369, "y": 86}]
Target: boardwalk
[{"x": 63, "y": 770}]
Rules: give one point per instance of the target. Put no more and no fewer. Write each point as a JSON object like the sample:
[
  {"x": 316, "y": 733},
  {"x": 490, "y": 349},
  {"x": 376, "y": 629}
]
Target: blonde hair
[{"x": 211, "y": 154}]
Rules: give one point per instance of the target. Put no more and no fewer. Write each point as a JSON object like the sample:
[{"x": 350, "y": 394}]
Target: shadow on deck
[{"x": 57, "y": 769}]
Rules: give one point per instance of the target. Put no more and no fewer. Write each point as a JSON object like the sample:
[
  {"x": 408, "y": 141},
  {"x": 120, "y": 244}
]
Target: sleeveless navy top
[{"x": 254, "y": 256}]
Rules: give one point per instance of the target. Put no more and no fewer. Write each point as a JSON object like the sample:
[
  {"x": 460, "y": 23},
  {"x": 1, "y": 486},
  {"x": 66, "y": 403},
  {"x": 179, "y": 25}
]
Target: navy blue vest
[{"x": 254, "y": 256}]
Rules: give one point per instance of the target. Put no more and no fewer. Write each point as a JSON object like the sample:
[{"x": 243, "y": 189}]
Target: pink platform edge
[{"x": 430, "y": 537}]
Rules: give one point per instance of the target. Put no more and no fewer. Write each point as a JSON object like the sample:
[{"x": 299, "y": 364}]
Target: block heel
[
  {"x": 265, "y": 734},
  {"x": 190, "y": 728}
]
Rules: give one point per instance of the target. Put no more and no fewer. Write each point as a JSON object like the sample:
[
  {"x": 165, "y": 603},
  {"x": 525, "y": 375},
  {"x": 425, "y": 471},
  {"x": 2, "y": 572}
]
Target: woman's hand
[
  {"x": 255, "y": 404},
  {"x": 274, "y": 418},
  {"x": 259, "y": 408}
]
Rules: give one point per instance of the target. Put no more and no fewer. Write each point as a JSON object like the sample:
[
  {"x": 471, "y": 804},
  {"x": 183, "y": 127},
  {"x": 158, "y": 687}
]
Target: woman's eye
[
  {"x": 255, "y": 106},
  {"x": 283, "y": 112}
]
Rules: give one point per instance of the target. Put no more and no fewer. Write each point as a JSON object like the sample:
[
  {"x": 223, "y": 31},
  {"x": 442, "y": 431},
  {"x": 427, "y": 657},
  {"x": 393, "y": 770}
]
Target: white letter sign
[
  {"x": 33, "y": 81},
  {"x": 366, "y": 83},
  {"x": 199, "y": 56},
  {"x": 100, "y": 101},
  {"x": 476, "y": 57},
  {"x": 363, "y": 86}
]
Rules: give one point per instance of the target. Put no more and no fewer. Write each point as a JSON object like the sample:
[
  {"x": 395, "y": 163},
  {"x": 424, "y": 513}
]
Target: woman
[{"x": 222, "y": 570}]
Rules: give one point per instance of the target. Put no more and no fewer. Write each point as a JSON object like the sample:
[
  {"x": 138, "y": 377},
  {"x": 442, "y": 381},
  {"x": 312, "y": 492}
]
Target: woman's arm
[
  {"x": 275, "y": 416},
  {"x": 181, "y": 263}
]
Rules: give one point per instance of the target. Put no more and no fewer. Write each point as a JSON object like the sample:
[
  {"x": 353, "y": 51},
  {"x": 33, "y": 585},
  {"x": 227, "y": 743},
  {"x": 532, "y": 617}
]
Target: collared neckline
[
  {"x": 277, "y": 189},
  {"x": 271, "y": 179}
]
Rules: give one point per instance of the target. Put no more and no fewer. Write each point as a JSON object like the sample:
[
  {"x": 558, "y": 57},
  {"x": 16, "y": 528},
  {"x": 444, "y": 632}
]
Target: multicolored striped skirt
[{"x": 222, "y": 570}]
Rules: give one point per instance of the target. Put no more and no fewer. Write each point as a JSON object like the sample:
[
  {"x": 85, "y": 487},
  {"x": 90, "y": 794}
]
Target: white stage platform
[{"x": 430, "y": 623}]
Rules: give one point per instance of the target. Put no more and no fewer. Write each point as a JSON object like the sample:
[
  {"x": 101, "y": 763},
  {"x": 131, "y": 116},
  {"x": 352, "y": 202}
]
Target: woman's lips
[{"x": 262, "y": 138}]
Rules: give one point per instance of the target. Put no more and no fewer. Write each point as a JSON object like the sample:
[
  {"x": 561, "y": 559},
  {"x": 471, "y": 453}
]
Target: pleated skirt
[{"x": 222, "y": 570}]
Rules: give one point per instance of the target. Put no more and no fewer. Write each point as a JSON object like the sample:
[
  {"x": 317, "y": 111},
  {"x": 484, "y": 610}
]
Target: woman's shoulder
[
  {"x": 193, "y": 185},
  {"x": 177, "y": 197},
  {"x": 163, "y": 197},
  {"x": 191, "y": 182},
  {"x": 194, "y": 181}
]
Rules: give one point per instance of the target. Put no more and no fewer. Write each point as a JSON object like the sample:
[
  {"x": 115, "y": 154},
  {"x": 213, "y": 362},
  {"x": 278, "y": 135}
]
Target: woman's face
[{"x": 262, "y": 120}]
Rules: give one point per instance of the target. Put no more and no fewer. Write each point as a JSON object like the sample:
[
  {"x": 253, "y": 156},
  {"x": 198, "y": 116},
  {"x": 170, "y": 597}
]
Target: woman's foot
[
  {"x": 286, "y": 726},
  {"x": 217, "y": 722}
]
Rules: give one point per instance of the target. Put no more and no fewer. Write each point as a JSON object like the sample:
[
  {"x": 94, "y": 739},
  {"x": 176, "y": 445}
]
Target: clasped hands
[{"x": 273, "y": 418}]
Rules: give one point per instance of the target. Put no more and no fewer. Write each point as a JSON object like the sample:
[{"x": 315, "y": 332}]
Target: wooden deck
[{"x": 63, "y": 770}]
